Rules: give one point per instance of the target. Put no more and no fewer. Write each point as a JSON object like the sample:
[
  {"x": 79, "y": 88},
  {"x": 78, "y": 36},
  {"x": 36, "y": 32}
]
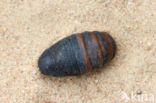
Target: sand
[{"x": 28, "y": 27}]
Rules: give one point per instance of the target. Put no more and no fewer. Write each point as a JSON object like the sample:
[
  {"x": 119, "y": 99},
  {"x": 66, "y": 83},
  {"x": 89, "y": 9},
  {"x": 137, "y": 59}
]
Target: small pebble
[
  {"x": 96, "y": 81},
  {"x": 139, "y": 92},
  {"x": 149, "y": 44}
]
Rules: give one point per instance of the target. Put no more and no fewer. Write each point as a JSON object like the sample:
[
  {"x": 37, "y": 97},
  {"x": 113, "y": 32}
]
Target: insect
[{"x": 77, "y": 54}]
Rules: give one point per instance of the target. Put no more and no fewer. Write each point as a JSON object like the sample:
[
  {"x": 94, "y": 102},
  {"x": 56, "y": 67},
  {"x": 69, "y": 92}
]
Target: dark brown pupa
[{"x": 77, "y": 54}]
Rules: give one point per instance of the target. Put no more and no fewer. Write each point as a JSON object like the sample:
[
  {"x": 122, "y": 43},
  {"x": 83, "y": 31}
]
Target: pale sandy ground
[{"x": 28, "y": 27}]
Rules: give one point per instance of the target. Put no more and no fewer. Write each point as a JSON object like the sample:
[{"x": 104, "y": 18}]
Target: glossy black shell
[{"x": 77, "y": 54}]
